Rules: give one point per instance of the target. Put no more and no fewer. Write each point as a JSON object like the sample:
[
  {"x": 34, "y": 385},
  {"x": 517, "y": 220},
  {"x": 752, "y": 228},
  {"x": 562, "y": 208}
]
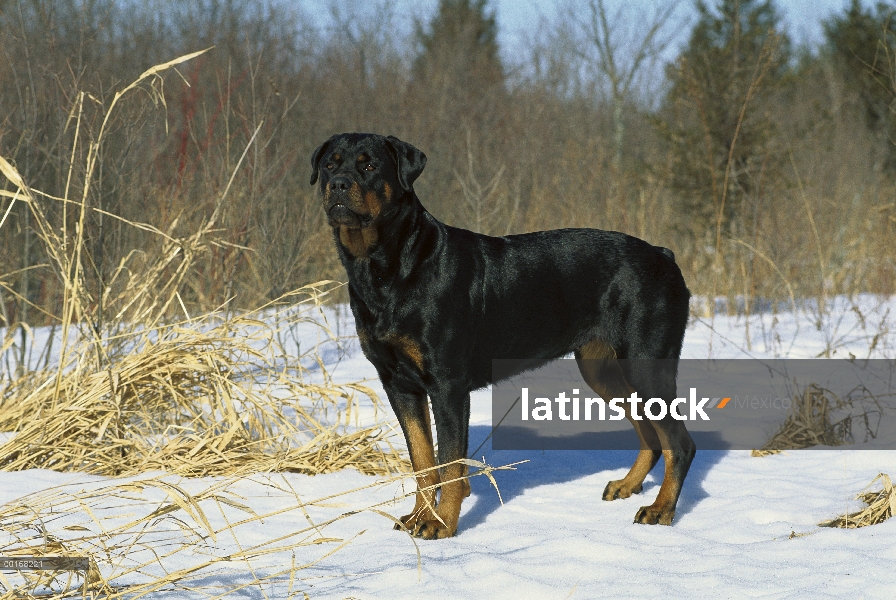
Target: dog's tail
[{"x": 668, "y": 253}]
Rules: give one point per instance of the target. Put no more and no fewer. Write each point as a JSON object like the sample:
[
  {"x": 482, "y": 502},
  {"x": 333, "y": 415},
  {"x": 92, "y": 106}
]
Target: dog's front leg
[
  {"x": 412, "y": 410},
  {"x": 452, "y": 416}
]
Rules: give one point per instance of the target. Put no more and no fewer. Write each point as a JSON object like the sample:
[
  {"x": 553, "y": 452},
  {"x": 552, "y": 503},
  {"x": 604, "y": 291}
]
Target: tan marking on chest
[
  {"x": 597, "y": 349},
  {"x": 408, "y": 347},
  {"x": 358, "y": 241}
]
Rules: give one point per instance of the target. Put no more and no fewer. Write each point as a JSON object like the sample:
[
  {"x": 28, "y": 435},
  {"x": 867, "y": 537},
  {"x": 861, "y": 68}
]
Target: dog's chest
[{"x": 384, "y": 342}]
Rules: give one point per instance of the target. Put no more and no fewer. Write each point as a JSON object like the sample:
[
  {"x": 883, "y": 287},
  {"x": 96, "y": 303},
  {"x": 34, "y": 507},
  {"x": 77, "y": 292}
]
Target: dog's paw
[
  {"x": 651, "y": 515},
  {"x": 620, "y": 489},
  {"x": 409, "y": 522},
  {"x": 427, "y": 528},
  {"x": 433, "y": 529}
]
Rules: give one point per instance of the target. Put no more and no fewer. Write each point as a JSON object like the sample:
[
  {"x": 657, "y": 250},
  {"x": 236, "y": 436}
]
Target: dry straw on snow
[
  {"x": 177, "y": 538},
  {"x": 881, "y": 505},
  {"x": 810, "y": 422},
  {"x": 215, "y": 396}
]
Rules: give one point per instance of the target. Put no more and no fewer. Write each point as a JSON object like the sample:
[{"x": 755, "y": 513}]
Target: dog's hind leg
[
  {"x": 678, "y": 451},
  {"x": 598, "y": 365},
  {"x": 648, "y": 456},
  {"x": 656, "y": 379}
]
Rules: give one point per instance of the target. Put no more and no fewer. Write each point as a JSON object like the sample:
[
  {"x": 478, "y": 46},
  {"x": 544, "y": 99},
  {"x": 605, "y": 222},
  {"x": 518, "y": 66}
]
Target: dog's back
[{"x": 559, "y": 289}]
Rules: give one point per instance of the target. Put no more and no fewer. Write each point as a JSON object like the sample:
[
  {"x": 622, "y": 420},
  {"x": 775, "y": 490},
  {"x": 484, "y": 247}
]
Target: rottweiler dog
[{"x": 435, "y": 304}]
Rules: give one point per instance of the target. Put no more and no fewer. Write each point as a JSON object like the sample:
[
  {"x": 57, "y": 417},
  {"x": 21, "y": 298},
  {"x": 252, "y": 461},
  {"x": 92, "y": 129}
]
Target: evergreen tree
[
  {"x": 862, "y": 45},
  {"x": 718, "y": 115},
  {"x": 458, "y": 63}
]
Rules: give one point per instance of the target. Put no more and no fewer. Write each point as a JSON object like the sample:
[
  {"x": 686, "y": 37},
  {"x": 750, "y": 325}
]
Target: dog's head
[{"x": 362, "y": 174}]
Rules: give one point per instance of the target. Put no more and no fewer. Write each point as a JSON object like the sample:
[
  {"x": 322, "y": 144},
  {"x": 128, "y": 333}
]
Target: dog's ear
[
  {"x": 315, "y": 159},
  {"x": 409, "y": 160}
]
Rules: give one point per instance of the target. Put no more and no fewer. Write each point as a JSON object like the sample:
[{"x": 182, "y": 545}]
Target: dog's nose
[{"x": 340, "y": 184}]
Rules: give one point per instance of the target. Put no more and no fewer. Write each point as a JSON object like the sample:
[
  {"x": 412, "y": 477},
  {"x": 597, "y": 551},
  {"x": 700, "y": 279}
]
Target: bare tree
[
  {"x": 619, "y": 47},
  {"x": 483, "y": 201}
]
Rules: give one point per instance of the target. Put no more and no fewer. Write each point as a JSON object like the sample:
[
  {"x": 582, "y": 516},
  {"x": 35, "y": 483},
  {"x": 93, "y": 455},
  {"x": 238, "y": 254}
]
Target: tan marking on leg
[
  {"x": 597, "y": 349},
  {"x": 420, "y": 447},
  {"x": 648, "y": 456},
  {"x": 452, "y": 496},
  {"x": 598, "y": 366},
  {"x": 597, "y": 363},
  {"x": 431, "y": 520},
  {"x": 668, "y": 494},
  {"x": 662, "y": 511},
  {"x": 453, "y": 491}
]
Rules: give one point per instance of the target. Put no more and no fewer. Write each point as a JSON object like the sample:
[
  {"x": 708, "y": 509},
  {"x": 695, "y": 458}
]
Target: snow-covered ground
[{"x": 745, "y": 527}]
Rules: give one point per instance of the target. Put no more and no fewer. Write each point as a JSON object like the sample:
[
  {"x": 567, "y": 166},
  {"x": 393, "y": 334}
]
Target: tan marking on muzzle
[
  {"x": 354, "y": 195},
  {"x": 374, "y": 205}
]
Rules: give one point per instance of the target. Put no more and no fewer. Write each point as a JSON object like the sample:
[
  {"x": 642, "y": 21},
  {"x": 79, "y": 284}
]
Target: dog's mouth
[{"x": 341, "y": 215}]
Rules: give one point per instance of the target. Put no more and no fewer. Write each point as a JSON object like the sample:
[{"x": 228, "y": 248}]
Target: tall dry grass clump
[
  {"x": 137, "y": 387},
  {"x": 212, "y": 396}
]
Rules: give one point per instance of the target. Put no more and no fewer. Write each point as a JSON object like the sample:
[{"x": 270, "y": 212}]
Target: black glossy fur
[{"x": 435, "y": 304}]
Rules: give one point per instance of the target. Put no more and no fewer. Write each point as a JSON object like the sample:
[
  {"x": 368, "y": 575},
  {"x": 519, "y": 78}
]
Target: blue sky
[
  {"x": 802, "y": 17},
  {"x": 519, "y": 18}
]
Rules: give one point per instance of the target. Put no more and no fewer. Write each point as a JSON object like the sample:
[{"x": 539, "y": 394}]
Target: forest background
[{"x": 768, "y": 167}]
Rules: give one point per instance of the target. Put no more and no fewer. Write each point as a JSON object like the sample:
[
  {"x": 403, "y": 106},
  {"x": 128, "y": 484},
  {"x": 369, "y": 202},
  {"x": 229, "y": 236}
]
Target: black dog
[{"x": 435, "y": 304}]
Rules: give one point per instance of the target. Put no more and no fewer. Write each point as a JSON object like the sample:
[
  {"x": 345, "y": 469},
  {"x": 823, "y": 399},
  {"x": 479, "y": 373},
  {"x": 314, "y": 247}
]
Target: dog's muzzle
[
  {"x": 339, "y": 200},
  {"x": 341, "y": 215}
]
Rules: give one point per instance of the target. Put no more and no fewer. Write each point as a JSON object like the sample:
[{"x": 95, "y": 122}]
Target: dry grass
[
  {"x": 810, "y": 422},
  {"x": 881, "y": 505},
  {"x": 213, "y": 396},
  {"x": 161, "y": 534},
  {"x": 140, "y": 385}
]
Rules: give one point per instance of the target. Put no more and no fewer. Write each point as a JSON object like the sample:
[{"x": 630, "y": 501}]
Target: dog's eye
[
  {"x": 369, "y": 167},
  {"x": 329, "y": 166}
]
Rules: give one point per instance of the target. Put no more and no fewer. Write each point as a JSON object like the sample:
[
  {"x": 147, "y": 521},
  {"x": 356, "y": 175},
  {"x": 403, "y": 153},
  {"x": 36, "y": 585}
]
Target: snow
[{"x": 745, "y": 526}]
